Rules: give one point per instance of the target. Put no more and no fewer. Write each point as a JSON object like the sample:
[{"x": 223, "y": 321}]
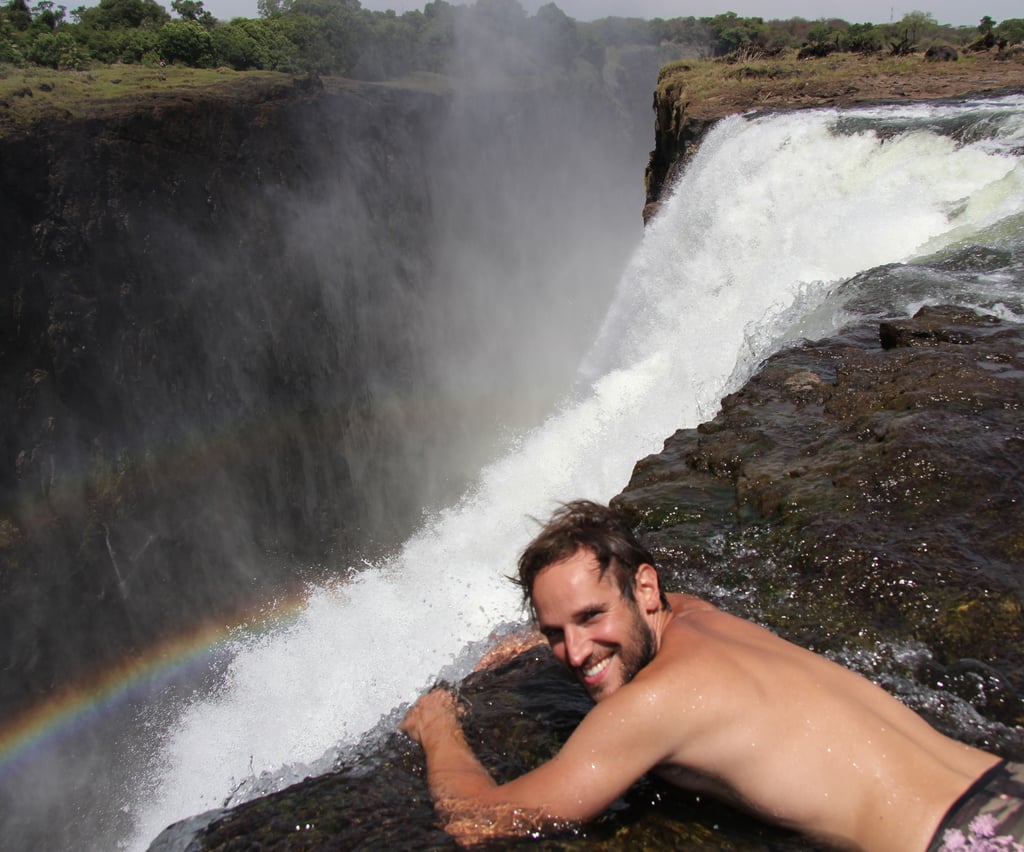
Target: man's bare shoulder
[
  {"x": 685, "y": 604},
  {"x": 703, "y": 659},
  {"x": 682, "y": 701},
  {"x": 692, "y": 647},
  {"x": 720, "y": 629}
]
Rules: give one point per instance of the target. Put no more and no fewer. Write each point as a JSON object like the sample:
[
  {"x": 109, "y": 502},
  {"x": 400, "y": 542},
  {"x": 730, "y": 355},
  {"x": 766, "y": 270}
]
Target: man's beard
[
  {"x": 641, "y": 649},
  {"x": 634, "y": 654}
]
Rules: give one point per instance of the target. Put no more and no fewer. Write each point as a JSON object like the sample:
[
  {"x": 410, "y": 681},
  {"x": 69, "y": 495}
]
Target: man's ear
[{"x": 647, "y": 588}]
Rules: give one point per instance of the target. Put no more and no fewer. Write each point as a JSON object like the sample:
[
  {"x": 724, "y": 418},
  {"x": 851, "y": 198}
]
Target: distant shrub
[
  {"x": 133, "y": 46},
  {"x": 234, "y": 46},
  {"x": 10, "y": 52},
  {"x": 185, "y": 43},
  {"x": 861, "y": 38},
  {"x": 10, "y": 48},
  {"x": 56, "y": 50},
  {"x": 1009, "y": 32},
  {"x": 122, "y": 14},
  {"x": 255, "y": 44}
]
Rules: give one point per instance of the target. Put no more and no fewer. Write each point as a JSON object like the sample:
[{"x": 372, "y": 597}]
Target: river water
[{"x": 754, "y": 249}]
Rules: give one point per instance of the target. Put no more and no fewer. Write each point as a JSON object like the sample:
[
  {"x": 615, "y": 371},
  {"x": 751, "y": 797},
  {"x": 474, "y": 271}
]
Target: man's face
[{"x": 596, "y": 633}]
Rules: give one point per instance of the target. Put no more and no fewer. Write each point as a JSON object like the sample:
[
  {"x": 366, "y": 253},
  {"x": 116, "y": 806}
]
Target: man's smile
[{"x": 596, "y": 671}]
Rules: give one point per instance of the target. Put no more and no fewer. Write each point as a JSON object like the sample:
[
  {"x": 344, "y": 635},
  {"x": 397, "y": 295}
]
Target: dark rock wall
[
  {"x": 187, "y": 379},
  {"x": 244, "y": 336},
  {"x": 677, "y": 137}
]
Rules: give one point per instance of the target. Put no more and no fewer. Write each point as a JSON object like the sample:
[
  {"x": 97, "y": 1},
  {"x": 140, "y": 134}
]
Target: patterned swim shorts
[{"x": 989, "y": 817}]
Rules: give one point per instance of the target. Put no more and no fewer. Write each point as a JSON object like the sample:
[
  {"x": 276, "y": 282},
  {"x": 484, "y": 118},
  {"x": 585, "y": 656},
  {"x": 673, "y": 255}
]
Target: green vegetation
[
  {"x": 712, "y": 88},
  {"x": 34, "y": 92},
  {"x": 339, "y": 37}
]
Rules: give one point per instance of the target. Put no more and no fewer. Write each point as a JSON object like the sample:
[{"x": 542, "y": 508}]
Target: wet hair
[{"x": 599, "y": 529}]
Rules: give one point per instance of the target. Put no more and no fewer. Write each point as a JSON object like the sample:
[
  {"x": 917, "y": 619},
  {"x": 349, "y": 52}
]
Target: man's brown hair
[{"x": 599, "y": 529}]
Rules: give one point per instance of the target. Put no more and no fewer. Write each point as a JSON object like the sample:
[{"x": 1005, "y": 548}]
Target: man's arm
[
  {"x": 453, "y": 772},
  {"x": 598, "y": 763}
]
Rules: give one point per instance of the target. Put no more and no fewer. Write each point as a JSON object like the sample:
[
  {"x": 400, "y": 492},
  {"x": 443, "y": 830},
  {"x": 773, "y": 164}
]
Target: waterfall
[
  {"x": 769, "y": 218},
  {"x": 783, "y": 226}
]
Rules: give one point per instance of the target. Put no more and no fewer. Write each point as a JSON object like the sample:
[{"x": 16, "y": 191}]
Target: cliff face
[
  {"x": 241, "y": 334},
  {"x": 185, "y": 386}
]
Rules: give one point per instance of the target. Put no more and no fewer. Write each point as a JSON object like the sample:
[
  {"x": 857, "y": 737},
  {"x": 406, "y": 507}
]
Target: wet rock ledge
[
  {"x": 861, "y": 495},
  {"x": 866, "y": 490}
]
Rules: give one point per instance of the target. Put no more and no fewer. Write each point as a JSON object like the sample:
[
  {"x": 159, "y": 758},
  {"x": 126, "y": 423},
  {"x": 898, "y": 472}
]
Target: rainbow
[
  {"x": 60, "y": 717},
  {"x": 65, "y": 715}
]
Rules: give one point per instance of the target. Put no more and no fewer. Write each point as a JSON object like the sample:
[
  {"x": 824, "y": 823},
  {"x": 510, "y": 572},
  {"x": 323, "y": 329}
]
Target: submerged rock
[{"x": 516, "y": 716}]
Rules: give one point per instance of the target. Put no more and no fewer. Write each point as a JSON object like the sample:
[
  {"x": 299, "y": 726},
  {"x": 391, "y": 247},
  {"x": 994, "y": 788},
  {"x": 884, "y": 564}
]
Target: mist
[{"x": 299, "y": 350}]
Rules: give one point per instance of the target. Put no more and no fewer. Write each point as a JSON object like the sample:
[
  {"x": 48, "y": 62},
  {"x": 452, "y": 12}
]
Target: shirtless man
[{"x": 711, "y": 703}]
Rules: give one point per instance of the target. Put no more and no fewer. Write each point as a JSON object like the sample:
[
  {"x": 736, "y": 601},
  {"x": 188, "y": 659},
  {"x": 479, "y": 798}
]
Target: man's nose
[{"x": 577, "y": 648}]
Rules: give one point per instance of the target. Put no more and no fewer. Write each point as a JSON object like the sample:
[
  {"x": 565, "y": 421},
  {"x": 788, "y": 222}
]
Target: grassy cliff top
[
  {"x": 32, "y": 94},
  {"x": 708, "y": 89},
  {"x": 703, "y": 88}
]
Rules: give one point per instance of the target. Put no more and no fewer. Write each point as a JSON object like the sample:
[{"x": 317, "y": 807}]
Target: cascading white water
[{"x": 770, "y": 214}]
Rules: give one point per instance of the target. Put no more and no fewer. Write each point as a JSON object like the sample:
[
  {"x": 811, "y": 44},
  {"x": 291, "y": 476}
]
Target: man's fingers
[{"x": 437, "y": 705}]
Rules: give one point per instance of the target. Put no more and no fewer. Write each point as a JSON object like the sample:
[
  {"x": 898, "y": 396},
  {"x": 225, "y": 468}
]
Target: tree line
[{"x": 339, "y": 37}]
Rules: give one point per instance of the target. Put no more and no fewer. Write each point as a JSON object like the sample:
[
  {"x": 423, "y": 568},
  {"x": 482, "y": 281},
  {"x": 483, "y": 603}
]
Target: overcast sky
[{"x": 955, "y": 12}]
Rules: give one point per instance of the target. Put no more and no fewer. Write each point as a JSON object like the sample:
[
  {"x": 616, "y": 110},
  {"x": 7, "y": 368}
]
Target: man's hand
[
  {"x": 433, "y": 716},
  {"x": 459, "y": 784},
  {"x": 511, "y": 646},
  {"x": 456, "y": 778}
]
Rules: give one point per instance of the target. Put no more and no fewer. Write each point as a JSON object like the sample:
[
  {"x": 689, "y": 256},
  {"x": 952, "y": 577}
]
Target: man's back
[{"x": 737, "y": 703}]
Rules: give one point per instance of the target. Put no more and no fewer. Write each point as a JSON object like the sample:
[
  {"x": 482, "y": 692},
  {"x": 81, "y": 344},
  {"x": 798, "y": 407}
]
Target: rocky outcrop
[
  {"x": 515, "y": 717},
  {"x": 677, "y": 136},
  {"x": 879, "y": 473},
  {"x": 941, "y": 53}
]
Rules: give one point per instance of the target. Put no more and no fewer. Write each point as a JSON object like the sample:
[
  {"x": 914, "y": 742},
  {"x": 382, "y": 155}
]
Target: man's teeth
[{"x": 597, "y": 668}]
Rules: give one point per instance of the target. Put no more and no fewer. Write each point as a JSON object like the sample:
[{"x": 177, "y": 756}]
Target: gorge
[
  {"x": 250, "y": 339},
  {"x": 312, "y": 355}
]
